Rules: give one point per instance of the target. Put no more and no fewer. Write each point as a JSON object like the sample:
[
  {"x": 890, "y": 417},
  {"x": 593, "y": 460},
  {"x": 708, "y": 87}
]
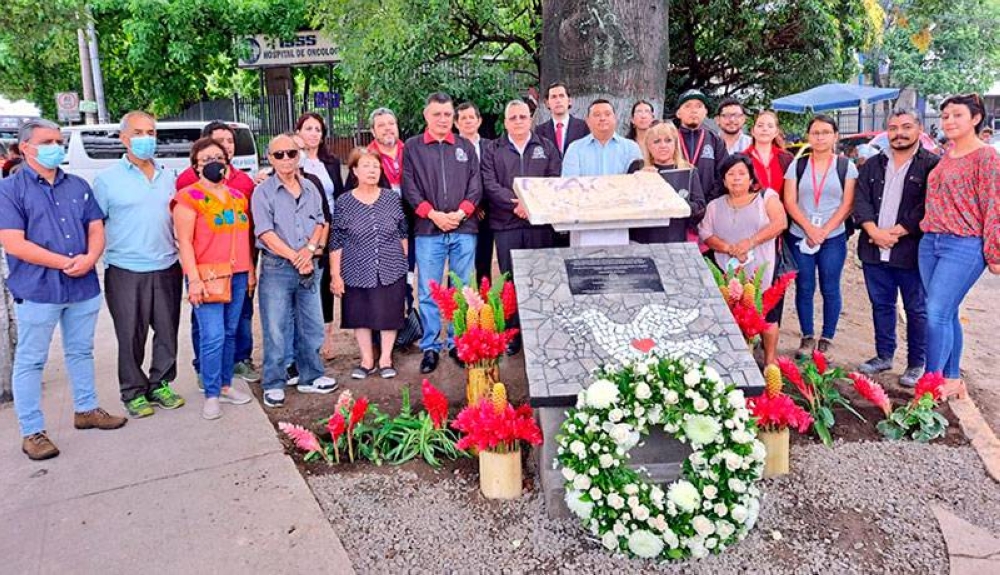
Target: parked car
[{"x": 92, "y": 148}]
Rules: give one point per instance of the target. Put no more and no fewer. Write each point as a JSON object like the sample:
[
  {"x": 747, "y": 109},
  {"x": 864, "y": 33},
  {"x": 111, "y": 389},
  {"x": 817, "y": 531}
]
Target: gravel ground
[{"x": 859, "y": 508}]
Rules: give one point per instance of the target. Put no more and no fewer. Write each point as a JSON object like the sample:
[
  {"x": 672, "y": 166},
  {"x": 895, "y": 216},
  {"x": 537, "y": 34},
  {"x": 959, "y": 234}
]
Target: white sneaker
[
  {"x": 234, "y": 396},
  {"x": 274, "y": 397},
  {"x": 211, "y": 409},
  {"x": 292, "y": 381},
  {"x": 322, "y": 384}
]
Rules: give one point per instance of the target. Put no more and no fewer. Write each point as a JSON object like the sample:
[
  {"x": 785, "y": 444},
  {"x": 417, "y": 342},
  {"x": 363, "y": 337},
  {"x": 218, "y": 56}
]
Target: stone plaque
[{"x": 612, "y": 275}]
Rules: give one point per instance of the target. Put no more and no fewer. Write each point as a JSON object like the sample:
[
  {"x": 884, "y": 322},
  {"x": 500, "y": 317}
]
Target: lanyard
[
  {"x": 818, "y": 188},
  {"x": 684, "y": 148}
]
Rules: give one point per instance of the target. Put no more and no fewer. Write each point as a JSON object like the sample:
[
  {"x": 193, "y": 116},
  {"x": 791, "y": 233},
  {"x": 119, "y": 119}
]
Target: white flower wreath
[{"x": 711, "y": 506}]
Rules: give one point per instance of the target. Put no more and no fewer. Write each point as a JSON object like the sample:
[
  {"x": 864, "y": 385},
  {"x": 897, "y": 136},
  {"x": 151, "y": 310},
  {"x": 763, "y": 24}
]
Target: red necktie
[{"x": 559, "y": 138}]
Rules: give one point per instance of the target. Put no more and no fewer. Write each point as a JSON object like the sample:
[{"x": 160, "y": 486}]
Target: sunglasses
[{"x": 280, "y": 154}]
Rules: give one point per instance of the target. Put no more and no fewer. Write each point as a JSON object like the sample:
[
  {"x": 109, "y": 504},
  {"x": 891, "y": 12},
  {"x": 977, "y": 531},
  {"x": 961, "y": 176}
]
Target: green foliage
[
  {"x": 917, "y": 419},
  {"x": 818, "y": 393},
  {"x": 765, "y": 49},
  {"x": 940, "y": 48}
]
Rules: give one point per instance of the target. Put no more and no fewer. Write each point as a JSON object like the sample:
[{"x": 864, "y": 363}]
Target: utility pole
[
  {"x": 95, "y": 64},
  {"x": 85, "y": 72}
]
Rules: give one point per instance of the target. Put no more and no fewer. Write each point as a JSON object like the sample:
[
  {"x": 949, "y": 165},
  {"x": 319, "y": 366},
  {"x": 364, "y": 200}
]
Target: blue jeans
[
  {"x": 36, "y": 323},
  {"x": 284, "y": 294},
  {"x": 829, "y": 261},
  {"x": 459, "y": 250},
  {"x": 244, "y": 334},
  {"x": 884, "y": 283},
  {"x": 217, "y": 337},
  {"x": 949, "y": 267}
]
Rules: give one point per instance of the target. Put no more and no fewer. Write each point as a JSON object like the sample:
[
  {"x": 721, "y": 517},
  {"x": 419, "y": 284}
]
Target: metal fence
[{"x": 853, "y": 122}]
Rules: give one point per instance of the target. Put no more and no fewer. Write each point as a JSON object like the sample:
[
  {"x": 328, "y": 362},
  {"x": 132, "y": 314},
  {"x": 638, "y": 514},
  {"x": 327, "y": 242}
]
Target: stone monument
[{"x": 582, "y": 307}]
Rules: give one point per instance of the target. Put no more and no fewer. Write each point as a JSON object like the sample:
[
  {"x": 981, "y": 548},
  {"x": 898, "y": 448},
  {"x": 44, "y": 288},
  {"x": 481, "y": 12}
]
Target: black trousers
[
  {"x": 534, "y": 238},
  {"x": 138, "y": 302},
  {"x": 484, "y": 252}
]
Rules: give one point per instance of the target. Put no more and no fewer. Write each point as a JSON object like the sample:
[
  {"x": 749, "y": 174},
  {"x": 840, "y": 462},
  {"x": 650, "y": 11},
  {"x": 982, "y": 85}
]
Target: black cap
[{"x": 692, "y": 95}]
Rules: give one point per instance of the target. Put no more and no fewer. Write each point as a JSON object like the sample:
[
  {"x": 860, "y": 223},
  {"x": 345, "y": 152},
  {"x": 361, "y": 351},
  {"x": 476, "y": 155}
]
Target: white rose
[
  {"x": 578, "y": 448},
  {"x": 711, "y": 543},
  {"x": 670, "y": 538},
  {"x": 606, "y": 460},
  {"x": 581, "y": 417},
  {"x": 698, "y": 550},
  {"x": 641, "y": 369},
  {"x": 692, "y": 378},
  {"x": 655, "y": 414},
  {"x": 733, "y": 461},
  {"x": 759, "y": 452},
  {"x": 610, "y": 541},
  {"x": 656, "y": 494},
  {"x": 645, "y": 544},
  {"x": 711, "y": 374},
  {"x": 641, "y": 513},
  {"x": 703, "y": 525},
  {"x": 642, "y": 391},
  {"x": 615, "y": 415},
  {"x": 710, "y": 491},
  {"x": 595, "y": 493},
  {"x": 615, "y": 501},
  {"x": 595, "y": 448},
  {"x": 602, "y": 394},
  {"x": 671, "y": 397},
  {"x": 568, "y": 473},
  {"x": 724, "y": 529},
  {"x": 620, "y": 434},
  {"x": 736, "y": 399},
  {"x": 721, "y": 509},
  {"x": 577, "y": 505},
  {"x": 742, "y": 436},
  {"x": 740, "y": 513},
  {"x": 753, "y": 513},
  {"x": 633, "y": 502},
  {"x": 631, "y": 489},
  {"x": 737, "y": 485},
  {"x": 700, "y": 404},
  {"x": 581, "y": 482},
  {"x": 639, "y": 411},
  {"x": 593, "y": 472},
  {"x": 619, "y": 529},
  {"x": 684, "y": 495}
]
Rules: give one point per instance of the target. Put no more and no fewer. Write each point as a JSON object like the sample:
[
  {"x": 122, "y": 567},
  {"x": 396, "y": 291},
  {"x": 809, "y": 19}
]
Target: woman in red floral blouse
[{"x": 961, "y": 232}]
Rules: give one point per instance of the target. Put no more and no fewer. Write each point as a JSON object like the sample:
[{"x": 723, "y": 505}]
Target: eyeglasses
[
  {"x": 203, "y": 161},
  {"x": 735, "y": 116},
  {"x": 280, "y": 154},
  {"x": 519, "y": 117}
]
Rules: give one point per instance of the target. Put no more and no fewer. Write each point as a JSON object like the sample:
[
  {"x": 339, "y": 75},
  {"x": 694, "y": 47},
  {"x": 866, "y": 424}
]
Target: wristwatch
[{"x": 312, "y": 247}]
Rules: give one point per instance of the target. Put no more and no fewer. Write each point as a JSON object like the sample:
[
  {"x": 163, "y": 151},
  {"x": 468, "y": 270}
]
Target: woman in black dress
[
  {"x": 368, "y": 263},
  {"x": 664, "y": 156}
]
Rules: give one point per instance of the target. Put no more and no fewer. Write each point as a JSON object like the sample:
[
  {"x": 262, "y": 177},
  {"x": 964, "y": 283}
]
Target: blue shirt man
[
  {"x": 142, "y": 280},
  {"x": 51, "y": 228}
]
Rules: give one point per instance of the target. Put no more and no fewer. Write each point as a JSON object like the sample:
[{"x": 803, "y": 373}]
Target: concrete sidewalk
[{"x": 171, "y": 493}]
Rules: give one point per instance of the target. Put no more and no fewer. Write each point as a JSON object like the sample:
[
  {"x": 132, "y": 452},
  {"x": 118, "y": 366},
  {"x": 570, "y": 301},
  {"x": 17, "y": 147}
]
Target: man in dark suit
[{"x": 563, "y": 129}]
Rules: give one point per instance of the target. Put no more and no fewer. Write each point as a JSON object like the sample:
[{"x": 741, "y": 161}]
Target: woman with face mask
[{"x": 212, "y": 226}]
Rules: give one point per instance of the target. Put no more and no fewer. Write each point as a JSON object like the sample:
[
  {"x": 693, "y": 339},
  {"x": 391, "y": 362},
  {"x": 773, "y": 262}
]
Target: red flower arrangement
[
  {"x": 748, "y": 304},
  {"x": 436, "y": 404},
  {"x": 479, "y": 346},
  {"x": 445, "y": 299},
  {"x": 499, "y": 430},
  {"x": 791, "y": 372},
  {"x": 774, "y": 410}
]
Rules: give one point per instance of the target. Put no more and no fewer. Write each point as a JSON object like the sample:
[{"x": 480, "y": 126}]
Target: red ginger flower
[
  {"x": 820, "y": 360},
  {"x": 344, "y": 402},
  {"x": 484, "y": 289},
  {"x": 436, "y": 403},
  {"x": 773, "y": 294},
  {"x": 929, "y": 383},
  {"x": 779, "y": 412},
  {"x": 336, "y": 426},
  {"x": 358, "y": 412},
  {"x": 478, "y": 344},
  {"x": 508, "y": 297},
  {"x": 444, "y": 297},
  {"x": 487, "y": 429},
  {"x": 792, "y": 374},
  {"x": 302, "y": 437},
  {"x": 750, "y": 321},
  {"x": 872, "y": 391}
]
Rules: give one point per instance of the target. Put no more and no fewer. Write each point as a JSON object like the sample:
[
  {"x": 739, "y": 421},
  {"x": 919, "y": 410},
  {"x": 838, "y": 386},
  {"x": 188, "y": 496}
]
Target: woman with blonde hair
[{"x": 664, "y": 157}]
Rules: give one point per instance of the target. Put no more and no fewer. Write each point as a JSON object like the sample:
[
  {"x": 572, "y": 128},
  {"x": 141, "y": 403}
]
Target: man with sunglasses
[
  {"x": 517, "y": 153},
  {"x": 235, "y": 178},
  {"x": 289, "y": 225},
  {"x": 53, "y": 232}
]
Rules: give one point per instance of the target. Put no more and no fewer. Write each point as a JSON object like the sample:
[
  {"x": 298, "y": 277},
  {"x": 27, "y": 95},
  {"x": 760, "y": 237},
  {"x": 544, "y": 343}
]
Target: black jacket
[
  {"x": 710, "y": 157},
  {"x": 502, "y": 163},
  {"x": 868, "y": 202},
  {"x": 332, "y": 165},
  {"x": 687, "y": 184},
  {"x": 576, "y": 129},
  {"x": 443, "y": 176}
]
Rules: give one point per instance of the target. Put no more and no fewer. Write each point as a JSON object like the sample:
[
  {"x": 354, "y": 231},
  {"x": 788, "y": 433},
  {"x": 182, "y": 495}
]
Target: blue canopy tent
[{"x": 833, "y": 97}]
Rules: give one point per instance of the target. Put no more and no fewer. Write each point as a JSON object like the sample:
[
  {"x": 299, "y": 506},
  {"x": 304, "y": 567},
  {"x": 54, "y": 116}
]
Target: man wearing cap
[{"x": 701, "y": 147}]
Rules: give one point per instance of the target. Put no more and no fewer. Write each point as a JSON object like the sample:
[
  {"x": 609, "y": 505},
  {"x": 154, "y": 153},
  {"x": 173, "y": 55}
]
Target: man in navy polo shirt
[{"x": 53, "y": 232}]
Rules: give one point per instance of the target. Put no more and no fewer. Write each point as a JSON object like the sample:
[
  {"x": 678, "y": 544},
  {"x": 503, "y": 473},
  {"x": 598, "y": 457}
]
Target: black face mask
[{"x": 214, "y": 172}]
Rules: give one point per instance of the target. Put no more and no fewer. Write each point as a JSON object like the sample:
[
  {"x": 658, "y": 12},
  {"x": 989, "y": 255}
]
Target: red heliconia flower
[
  {"x": 484, "y": 289},
  {"x": 773, "y": 294},
  {"x": 791, "y": 372},
  {"x": 820, "y": 360},
  {"x": 508, "y": 297},
  {"x": 302, "y": 437},
  {"x": 436, "y": 403},
  {"x": 358, "y": 412},
  {"x": 444, "y": 297},
  {"x": 779, "y": 412},
  {"x": 336, "y": 426},
  {"x": 929, "y": 383},
  {"x": 872, "y": 391}
]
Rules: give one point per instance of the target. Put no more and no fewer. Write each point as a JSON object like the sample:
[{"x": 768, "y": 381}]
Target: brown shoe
[
  {"x": 38, "y": 446},
  {"x": 806, "y": 347},
  {"x": 97, "y": 418},
  {"x": 824, "y": 345}
]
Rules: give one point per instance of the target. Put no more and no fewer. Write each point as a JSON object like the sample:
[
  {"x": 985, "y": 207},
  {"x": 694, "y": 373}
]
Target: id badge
[{"x": 816, "y": 220}]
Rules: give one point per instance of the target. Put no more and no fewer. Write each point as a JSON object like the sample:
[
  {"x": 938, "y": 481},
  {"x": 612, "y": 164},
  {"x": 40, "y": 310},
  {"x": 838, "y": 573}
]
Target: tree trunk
[
  {"x": 611, "y": 49},
  {"x": 8, "y": 334}
]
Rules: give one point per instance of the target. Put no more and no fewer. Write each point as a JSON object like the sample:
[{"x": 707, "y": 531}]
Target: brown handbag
[{"x": 218, "y": 278}]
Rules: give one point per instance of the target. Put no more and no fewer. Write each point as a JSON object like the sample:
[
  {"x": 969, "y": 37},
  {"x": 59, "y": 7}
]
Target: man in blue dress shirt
[
  {"x": 142, "y": 281},
  {"x": 602, "y": 152},
  {"x": 53, "y": 232}
]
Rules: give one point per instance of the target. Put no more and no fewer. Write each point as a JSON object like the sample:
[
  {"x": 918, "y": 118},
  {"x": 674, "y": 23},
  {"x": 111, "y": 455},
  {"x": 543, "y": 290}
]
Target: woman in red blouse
[{"x": 961, "y": 232}]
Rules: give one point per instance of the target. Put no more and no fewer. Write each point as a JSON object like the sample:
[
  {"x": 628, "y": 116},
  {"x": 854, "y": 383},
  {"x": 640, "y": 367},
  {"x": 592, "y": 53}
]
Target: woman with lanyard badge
[{"x": 818, "y": 205}]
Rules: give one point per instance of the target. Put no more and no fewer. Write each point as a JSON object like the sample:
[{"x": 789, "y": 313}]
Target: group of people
[{"x": 444, "y": 200}]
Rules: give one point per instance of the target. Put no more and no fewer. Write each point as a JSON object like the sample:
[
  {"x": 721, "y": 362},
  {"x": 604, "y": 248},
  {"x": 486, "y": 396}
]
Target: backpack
[{"x": 800, "y": 169}]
